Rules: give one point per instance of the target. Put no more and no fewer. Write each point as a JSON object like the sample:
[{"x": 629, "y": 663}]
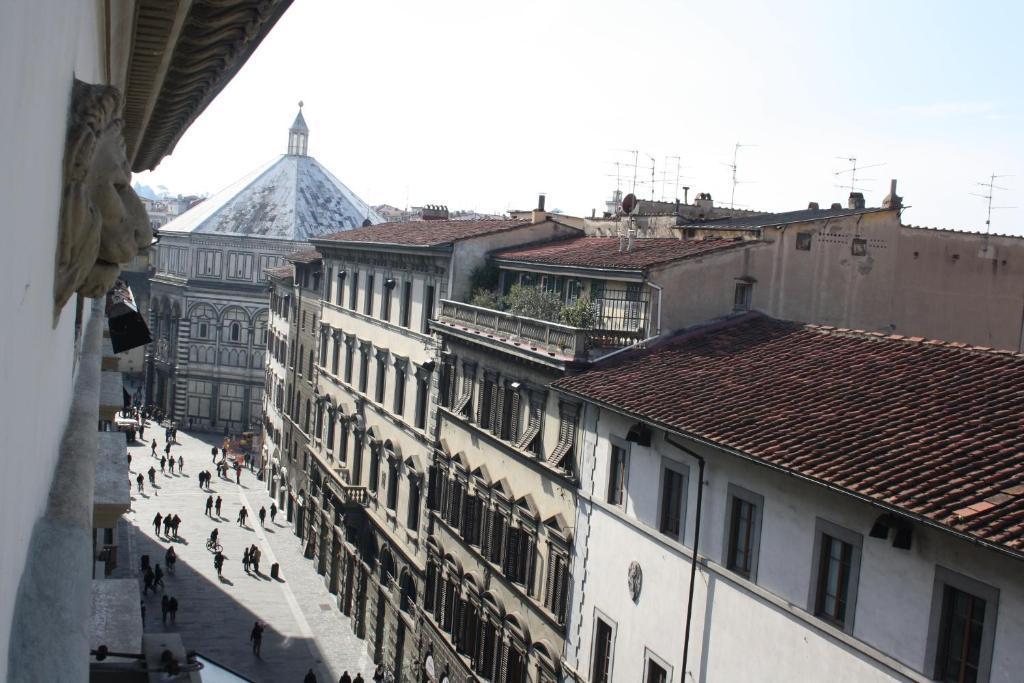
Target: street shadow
[{"x": 224, "y": 579}]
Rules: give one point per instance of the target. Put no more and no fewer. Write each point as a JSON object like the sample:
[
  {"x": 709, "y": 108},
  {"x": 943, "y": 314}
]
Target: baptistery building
[{"x": 209, "y": 303}]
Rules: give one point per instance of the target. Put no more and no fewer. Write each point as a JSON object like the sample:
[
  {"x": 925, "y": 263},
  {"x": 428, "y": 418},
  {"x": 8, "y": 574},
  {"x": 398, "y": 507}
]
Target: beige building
[{"x": 855, "y": 266}]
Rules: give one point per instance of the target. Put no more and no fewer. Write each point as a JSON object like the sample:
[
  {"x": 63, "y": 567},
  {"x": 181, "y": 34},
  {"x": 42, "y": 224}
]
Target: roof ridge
[{"x": 914, "y": 339}]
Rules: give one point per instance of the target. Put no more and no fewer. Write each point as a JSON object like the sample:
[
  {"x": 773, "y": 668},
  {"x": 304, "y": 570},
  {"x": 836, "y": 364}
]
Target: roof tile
[
  {"x": 424, "y": 233},
  {"x": 603, "y": 252}
]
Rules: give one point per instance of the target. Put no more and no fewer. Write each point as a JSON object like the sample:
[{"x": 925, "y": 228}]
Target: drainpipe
[{"x": 696, "y": 542}]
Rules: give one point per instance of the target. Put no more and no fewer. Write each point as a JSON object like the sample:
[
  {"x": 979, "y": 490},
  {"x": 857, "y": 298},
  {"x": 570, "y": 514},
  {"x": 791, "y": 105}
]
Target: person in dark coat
[
  {"x": 378, "y": 674},
  {"x": 172, "y": 609},
  {"x": 310, "y": 677},
  {"x": 242, "y": 514},
  {"x": 217, "y": 505},
  {"x": 245, "y": 560},
  {"x": 158, "y": 577},
  {"x": 174, "y": 525},
  {"x": 147, "y": 581},
  {"x": 256, "y": 636},
  {"x": 218, "y": 562},
  {"x": 164, "y": 610},
  {"x": 263, "y": 516},
  {"x": 213, "y": 452},
  {"x": 345, "y": 678},
  {"x": 359, "y": 678},
  {"x": 152, "y": 476},
  {"x": 139, "y": 480},
  {"x": 273, "y": 512},
  {"x": 153, "y": 446},
  {"x": 156, "y": 523}
]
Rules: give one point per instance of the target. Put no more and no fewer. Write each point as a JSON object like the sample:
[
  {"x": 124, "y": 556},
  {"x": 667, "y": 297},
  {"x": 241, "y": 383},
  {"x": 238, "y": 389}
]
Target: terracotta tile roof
[
  {"x": 931, "y": 428},
  {"x": 281, "y": 271},
  {"x": 423, "y": 233},
  {"x": 304, "y": 256},
  {"x": 603, "y": 252}
]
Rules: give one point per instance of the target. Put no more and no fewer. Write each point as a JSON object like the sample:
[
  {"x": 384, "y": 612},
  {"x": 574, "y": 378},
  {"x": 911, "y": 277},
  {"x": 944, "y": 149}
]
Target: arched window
[
  {"x": 235, "y": 325},
  {"x": 202, "y": 319},
  {"x": 408, "y": 596},
  {"x": 260, "y": 328},
  {"x": 236, "y": 332}
]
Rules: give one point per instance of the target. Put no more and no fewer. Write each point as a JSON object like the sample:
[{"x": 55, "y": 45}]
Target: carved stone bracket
[{"x": 102, "y": 221}]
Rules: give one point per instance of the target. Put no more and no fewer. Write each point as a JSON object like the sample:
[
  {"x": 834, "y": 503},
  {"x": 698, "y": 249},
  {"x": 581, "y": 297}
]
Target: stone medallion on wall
[{"x": 634, "y": 580}]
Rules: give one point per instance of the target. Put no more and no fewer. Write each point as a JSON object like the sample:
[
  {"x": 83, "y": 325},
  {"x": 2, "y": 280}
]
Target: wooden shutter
[
  {"x": 497, "y": 536},
  {"x": 499, "y": 426},
  {"x": 513, "y": 427}
]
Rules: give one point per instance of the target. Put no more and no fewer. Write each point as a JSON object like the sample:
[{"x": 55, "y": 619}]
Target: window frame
[
  {"x": 823, "y": 527},
  {"x": 990, "y": 594},
  {"x": 734, "y": 492},
  {"x": 613, "y": 443},
  {"x": 601, "y": 617},
  {"x": 649, "y": 657},
  {"x": 668, "y": 464}
]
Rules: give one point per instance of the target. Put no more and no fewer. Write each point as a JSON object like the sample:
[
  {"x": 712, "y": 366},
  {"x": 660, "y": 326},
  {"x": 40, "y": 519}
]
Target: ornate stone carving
[
  {"x": 634, "y": 580},
  {"x": 102, "y": 221}
]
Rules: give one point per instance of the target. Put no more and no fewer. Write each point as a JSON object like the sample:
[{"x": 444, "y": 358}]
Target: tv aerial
[
  {"x": 991, "y": 187},
  {"x": 852, "y": 187}
]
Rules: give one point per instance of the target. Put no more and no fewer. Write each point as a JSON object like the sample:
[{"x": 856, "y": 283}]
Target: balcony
[
  {"x": 349, "y": 495},
  {"x": 549, "y": 338}
]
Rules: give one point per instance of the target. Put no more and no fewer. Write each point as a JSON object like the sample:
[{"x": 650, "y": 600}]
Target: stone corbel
[{"x": 102, "y": 221}]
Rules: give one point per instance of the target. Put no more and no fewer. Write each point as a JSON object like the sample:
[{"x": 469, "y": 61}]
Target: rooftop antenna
[
  {"x": 992, "y": 187},
  {"x": 852, "y": 187},
  {"x": 652, "y": 175},
  {"x": 733, "y": 166}
]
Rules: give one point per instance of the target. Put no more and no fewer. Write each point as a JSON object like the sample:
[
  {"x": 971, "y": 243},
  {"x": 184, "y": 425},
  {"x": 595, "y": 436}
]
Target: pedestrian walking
[
  {"x": 129, "y": 462},
  {"x": 172, "y": 608},
  {"x": 217, "y": 505},
  {"x": 139, "y": 480},
  {"x": 388, "y": 676},
  {"x": 152, "y": 476},
  {"x": 263, "y": 516},
  {"x": 147, "y": 581},
  {"x": 213, "y": 452},
  {"x": 174, "y": 434},
  {"x": 168, "y": 521},
  {"x": 170, "y": 557},
  {"x": 156, "y": 523},
  {"x": 174, "y": 525},
  {"x": 273, "y": 512},
  {"x": 158, "y": 577},
  {"x": 310, "y": 677},
  {"x": 254, "y": 558},
  {"x": 163, "y": 462},
  {"x": 167, "y": 448},
  {"x": 153, "y": 453},
  {"x": 245, "y": 560},
  {"x": 218, "y": 562},
  {"x": 224, "y": 453},
  {"x": 181, "y": 464},
  {"x": 209, "y": 505},
  {"x": 238, "y": 473},
  {"x": 256, "y": 636},
  {"x": 242, "y": 514},
  {"x": 378, "y": 674},
  {"x": 164, "y": 608},
  {"x": 345, "y": 678},
  {"x": 170, "y": 465},
  {"x": 359, "y": 678}
]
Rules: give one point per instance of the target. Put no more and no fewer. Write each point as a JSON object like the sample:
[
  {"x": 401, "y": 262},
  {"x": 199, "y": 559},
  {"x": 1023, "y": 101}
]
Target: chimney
[
  {"x": 677, "y": 206},
  {"x": 539, "y": 215},
  {"x": 813, "y": 206},
  {"x": 434, "y": 212},
  {"x": 836, "y": 206},
  {"x": 593, "y": 213},
  {"x": 686, "y": 193},
  {"x": 704, "y": 205},
  {"x": 856, "y": 200},
  {"x": 631, "y": 236},
  {"x": 893, "y": 201}
]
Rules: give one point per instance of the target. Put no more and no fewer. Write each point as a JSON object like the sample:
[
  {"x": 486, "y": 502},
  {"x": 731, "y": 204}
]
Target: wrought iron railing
[{"x": 541, "y": 333}]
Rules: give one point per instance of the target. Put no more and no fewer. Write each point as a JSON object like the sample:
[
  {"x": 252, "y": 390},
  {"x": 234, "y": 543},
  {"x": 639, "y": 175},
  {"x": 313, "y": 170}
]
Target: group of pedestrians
[
  {"x": 251, "y": 559},
  {"x": 204, "y": 479},
  {"x": 170, "y": 525},
  {"x": 168, "y": 462},
  {"x": 211, "y": 505},
  {"x": 169, "y": 608}
]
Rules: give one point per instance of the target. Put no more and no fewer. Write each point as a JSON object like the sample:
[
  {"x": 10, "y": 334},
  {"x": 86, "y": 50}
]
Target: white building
[
  {"x": 860, "y": 517},
  {"x": 85, "y": 105},
  {"x": 208, "y": 309}
]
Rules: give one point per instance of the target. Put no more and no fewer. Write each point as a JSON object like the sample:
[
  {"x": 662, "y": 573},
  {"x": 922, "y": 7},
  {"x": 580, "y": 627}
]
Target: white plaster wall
[
  {"x": 43, "y": 45},
  {"x": 749, "y": 636}
]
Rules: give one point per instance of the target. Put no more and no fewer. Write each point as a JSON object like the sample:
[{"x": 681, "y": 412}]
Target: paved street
[{"x": 304, "y": 627}]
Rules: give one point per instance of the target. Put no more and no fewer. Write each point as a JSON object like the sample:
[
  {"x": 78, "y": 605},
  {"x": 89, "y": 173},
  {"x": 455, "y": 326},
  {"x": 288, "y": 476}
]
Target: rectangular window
[
  {"x": 382, "y": 371},
  {"x": 364, "y": 366},
  {"x": 413, "y": 518},
  {"x": 349, "y": 354},
  {"x": 673, "y": 495},
  {"x": 656, "y": 668},
  {"x": 743, "y": 531},
  {"x": 803, "y": 241},
  {"x": 617, "y": 469},
  {"x": 368, "y": 301},
  {"x": 400, "y": 380},
  {"x": 742, "y": 296},
  {"x": 422, "y": 395},
  {"x": 335, "y": 353},
  {"x": 428, "y": 308},
  {"x": 564, "y": 454},
  {"x": 962, "y": 628},
  {"x": 385, "y": 299},
  {"x": 859, "y": 246},
  {"x": 835, "y": 559},
  {"x": 557, "y": 589},
  {"x": 406, "y": 304},
  {"x": 239, "y": 266},
  {"x": 353, "y": 290},
  {"x": 339, "y": 288},
  {"x": 601, "y": 667}
]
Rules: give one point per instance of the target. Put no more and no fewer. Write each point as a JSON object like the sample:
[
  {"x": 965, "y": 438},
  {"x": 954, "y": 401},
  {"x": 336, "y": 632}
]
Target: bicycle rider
[{"x": 213, "y": 538}]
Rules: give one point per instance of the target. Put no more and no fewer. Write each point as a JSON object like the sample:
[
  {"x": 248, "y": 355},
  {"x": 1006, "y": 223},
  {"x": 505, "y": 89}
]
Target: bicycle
[{"x": 214, "y": 546}]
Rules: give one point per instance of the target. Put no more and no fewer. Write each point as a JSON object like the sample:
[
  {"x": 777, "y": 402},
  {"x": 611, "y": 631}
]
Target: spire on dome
[{"x": 298, "y": 135}]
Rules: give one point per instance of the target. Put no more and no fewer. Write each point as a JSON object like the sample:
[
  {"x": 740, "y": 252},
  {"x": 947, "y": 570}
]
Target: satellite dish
[{"x": 629, "y": 203}]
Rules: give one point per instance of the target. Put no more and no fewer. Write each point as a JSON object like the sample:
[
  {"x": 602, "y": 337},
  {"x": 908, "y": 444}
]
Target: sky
[{"x": 484, "y": 105}]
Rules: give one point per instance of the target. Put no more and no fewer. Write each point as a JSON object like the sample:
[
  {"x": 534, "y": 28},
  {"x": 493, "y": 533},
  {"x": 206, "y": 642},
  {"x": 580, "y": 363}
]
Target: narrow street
[{"x": 304, "y": 627}]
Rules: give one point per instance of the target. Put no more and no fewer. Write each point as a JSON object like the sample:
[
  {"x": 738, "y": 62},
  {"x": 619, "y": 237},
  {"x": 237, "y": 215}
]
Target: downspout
[{"x": 696, "y": 542}]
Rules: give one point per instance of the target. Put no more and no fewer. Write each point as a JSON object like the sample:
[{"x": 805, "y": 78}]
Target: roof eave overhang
[
  {"x": 925, "y": 521},
  {"x": 325, "y": 244},
  {"x": 182, "y": 55},
  {"x": 587, "y": 271}
]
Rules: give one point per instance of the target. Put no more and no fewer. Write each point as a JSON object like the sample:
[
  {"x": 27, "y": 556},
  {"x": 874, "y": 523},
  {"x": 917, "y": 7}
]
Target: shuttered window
[
  {"x": 564, "y": 453},
  {"x": 531, "y": 438},
  {"x": 557, "y": 584}
]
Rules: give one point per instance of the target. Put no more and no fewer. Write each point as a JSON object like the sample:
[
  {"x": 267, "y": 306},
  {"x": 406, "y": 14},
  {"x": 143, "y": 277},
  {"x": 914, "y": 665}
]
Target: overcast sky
[{"x": 484, "y": 104}]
